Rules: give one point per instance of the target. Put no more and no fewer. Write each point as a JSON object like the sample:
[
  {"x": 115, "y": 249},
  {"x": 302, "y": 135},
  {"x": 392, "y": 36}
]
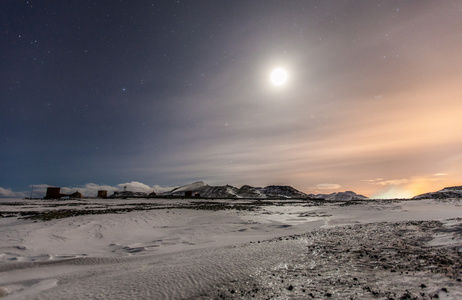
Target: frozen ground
[{"x": 186, "y": 249}]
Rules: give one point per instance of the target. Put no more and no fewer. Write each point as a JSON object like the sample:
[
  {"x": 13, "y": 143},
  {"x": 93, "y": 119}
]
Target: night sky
[{"x": 171, "y": 92}]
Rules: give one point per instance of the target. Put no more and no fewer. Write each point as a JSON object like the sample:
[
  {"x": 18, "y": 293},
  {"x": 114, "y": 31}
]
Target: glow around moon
[{"x": 278, "y": 76}]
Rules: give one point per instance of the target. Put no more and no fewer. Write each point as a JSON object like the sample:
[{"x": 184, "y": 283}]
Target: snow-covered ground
[{"x": 177, "y": 249}]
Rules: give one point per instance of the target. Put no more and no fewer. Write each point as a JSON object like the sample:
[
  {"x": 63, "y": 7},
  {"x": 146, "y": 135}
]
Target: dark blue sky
[{"x": 170, "y": 92}]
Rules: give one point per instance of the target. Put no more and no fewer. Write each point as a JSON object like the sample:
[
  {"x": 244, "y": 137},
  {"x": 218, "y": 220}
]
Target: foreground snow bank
[{"x": 175, "y": 250}]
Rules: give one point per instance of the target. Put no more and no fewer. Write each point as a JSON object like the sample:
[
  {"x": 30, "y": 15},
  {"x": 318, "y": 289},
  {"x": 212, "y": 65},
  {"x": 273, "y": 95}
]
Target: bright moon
[{"x": 278, "y": 76}]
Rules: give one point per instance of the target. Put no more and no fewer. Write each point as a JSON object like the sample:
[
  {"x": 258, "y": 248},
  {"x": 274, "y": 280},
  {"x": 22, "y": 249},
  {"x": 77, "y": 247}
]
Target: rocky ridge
[
  {"x": 204, "y": 190},
  {"x": 229, "y": 191},
  {"x": 446, "y": 193},
  {"x": 340, "y": 196}
]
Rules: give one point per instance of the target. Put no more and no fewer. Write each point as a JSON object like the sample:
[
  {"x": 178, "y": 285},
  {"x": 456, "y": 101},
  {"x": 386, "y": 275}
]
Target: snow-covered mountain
[
  {"x": 192, "y": 187},
  {"x": 340, "y": 196},
  {"x": 447, "y": 192},
  {"x": 285, "y": 191},
  {"x": 228, "y": 191},
  {"x": 204, "y": 190}
]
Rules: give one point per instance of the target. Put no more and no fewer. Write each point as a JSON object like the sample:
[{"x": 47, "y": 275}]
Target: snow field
[{"x": 178, "y": 253}]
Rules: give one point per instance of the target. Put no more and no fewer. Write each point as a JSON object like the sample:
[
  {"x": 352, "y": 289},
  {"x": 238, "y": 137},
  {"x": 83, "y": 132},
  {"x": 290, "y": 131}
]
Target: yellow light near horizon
[{"x": 278, "y": 76}]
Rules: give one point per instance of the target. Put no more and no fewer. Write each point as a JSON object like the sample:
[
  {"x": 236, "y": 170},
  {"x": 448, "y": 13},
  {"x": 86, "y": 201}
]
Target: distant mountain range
[
  {"x": 204, "y": 190},
  {"x": 228, "y": 191},
  {"x": 340, "y": 196},
  {"x": 447, "y": 192}
]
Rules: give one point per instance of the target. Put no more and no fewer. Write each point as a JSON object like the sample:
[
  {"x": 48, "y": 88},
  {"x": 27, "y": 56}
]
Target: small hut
[
  {"x": 53, "y": 193},
  {"x": 102, "y": 194}
]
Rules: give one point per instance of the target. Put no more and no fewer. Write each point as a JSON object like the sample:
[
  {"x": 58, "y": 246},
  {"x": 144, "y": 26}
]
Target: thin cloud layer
[
  {"x": 406, "y": 187},
  {"x": 9, "y": 193},
  {"x": 328, "y": 186}
]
